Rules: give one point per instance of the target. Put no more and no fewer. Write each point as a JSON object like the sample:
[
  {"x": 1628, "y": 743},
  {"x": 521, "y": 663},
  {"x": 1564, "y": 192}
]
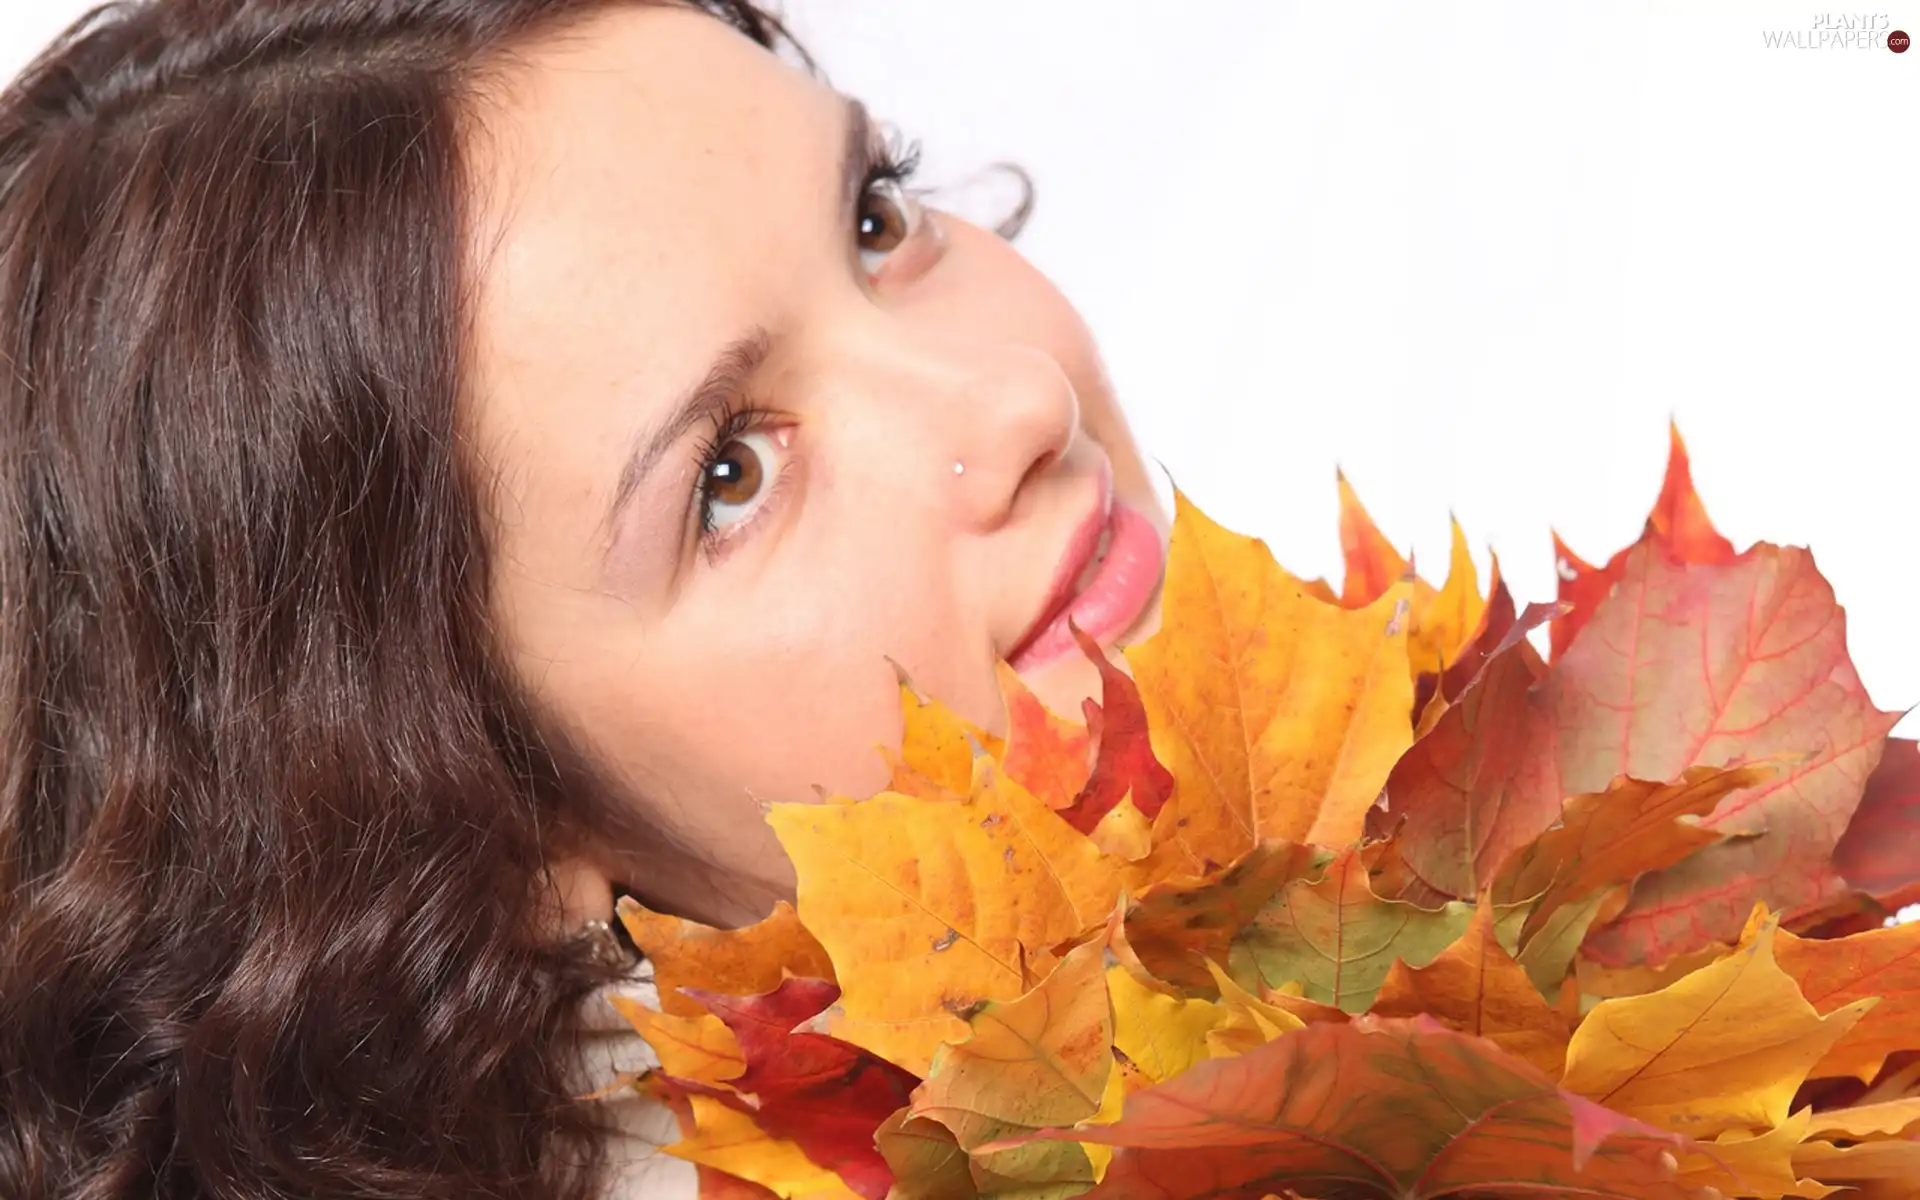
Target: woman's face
[{"x": 760, "y": 428}]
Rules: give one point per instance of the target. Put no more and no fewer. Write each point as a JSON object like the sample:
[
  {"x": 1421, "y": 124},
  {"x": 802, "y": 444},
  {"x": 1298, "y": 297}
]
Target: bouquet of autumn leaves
[{"x": 1349, "y": 894}]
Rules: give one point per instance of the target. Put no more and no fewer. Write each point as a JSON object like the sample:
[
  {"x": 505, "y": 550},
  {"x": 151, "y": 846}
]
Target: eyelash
[
  {"x": 736, "y": 419},
  {"x": 894, "y": 159}
]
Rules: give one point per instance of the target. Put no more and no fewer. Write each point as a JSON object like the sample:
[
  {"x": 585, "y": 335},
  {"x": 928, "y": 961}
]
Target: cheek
[
  {"x": 774, "y": 729},
  {"x": 785, "y": 686}
]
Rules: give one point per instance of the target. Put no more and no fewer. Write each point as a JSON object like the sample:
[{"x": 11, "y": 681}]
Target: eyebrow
[
  {"x": 726, "y": 377},
  {"x": 701, "y": 404}
]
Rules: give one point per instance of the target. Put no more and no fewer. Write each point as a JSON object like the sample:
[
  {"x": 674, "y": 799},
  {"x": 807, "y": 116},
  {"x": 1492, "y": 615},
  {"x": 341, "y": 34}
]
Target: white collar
[{"x": 638, "y": 1170}]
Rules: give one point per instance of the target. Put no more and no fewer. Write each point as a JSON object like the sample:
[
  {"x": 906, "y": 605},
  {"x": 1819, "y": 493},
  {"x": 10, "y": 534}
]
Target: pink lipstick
[{"x": 1109, "y": 572}]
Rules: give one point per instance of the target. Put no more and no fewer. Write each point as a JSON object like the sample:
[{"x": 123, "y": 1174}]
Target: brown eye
[
  {"x": 735, "y": 475},
  {"x": 888, "y": 217},
  {"x": 735, "y": 479}
]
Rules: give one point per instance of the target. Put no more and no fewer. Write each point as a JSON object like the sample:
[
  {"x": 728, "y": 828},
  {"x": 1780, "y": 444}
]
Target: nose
[{"x": 1014, "y": 416}]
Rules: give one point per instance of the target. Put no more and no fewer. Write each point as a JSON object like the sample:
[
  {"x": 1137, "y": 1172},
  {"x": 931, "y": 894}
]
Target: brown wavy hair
[{"x": 273, "y": 816}]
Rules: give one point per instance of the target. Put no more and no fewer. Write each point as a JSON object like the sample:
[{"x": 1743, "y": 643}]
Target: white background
[{"x": 1476, "y": 255}]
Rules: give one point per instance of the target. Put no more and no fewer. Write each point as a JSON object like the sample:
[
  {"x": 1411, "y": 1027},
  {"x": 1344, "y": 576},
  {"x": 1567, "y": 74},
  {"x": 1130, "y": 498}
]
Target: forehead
[{"x": 647, "y": 160}]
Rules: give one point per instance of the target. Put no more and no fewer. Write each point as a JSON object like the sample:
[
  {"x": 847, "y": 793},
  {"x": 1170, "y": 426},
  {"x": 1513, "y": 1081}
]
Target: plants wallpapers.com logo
[{"x": 1841, "y": 31}]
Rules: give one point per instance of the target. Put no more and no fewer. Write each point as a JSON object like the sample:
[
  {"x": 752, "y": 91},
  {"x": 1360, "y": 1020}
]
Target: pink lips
[{"x": 1112, "y": 596}]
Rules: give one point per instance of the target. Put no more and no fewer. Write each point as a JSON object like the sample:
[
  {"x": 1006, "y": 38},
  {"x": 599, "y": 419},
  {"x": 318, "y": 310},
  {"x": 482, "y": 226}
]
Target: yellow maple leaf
[
  {"x": 700, "y": 1048},
  {"x": 1041, "y": 1060},
  {"x": 728, "y": 1140},
  {"x": 1445, "y": 621},
  {"x": 1122, "y": 1081},
  {"x": 1899, "y": 1083},
  {"x": 1889, "y": 1118},
  {"x": 936, "y": 747},
  {"x": 1161, "y": 1032},
  {"x": 1739, "y": 1165},
  {"x": 927, "y": 907},
  {"x": 1279, "y": 714},
  {"x": 1896, "y": 1160},
  {"x": 1723, "y": 1048},
  {"x": 1248, "y": 1021},
  {"x": 1124, "y": 832}
]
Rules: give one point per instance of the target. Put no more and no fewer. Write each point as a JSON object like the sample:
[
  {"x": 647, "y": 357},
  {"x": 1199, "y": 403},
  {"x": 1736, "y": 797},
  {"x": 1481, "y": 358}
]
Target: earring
[
  {"x": 959, "y": 468},
  {"x": 600, "y": 943}
]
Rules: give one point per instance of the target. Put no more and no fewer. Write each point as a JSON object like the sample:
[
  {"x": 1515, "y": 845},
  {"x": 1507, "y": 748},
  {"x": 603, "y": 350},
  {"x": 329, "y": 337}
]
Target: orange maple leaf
[
  {"x": 1476, "y": 987},
  {"x": 1048, "y": 755},
  {"x": 738, "y": 961},
  {"x": 1882, "y": 963}
]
